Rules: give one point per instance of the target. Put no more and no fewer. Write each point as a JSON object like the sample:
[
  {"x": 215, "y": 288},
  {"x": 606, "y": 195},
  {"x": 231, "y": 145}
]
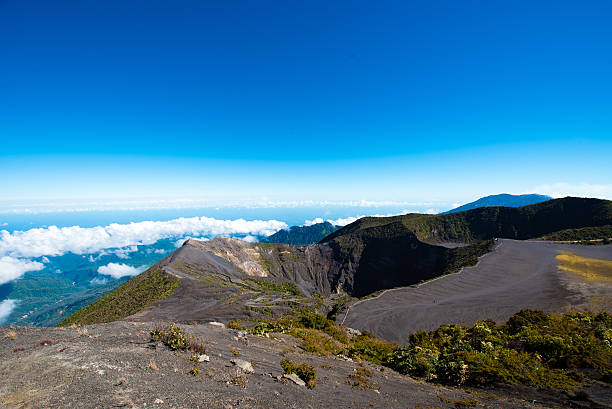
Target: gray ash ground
[
  {"x": 116, "y": 365},
  {"x": 515, "y": 275}
]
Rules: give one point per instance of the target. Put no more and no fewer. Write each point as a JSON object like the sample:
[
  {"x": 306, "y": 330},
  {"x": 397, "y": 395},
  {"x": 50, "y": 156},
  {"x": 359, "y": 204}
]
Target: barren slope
[{"x": 516, "y": 275}]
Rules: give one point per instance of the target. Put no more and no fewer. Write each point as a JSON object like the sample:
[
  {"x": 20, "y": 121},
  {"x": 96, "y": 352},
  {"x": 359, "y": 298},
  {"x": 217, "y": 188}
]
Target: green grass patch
[{"x": 130, "y": 298}]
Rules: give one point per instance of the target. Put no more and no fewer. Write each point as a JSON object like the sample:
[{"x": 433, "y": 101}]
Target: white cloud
[
  {"x": 55, "y": 241},
  {"x": 6, "y": 308},
  {"x": 337, "y": 222},
  {"x": 12, "y": 268},
  {"x": 344, "y": 221},
  {"x": 3, "y": 224},
  {"x": 557, "y": 190},
  {"x": 316, "y": 220},
  {"x": 348, "y": 220},
  {"x": 99, "y": 281},
  {"x": 120, "y": 270},
  {"x": 249, "y": 238}
]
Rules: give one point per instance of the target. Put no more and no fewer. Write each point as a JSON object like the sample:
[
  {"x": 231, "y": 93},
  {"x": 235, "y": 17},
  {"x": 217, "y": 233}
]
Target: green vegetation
[
  {"x": 584, "y": 235},
  {"x": 175, "y": 338},
  {"x": 461, "y": 257},
  {"x": 306, "y": 372},
  {"x": 130, "y": 298},
  {"x": 282, "y": 287},
  {"x": 302, "y": 235},
  {"x": 533, "y": 348}
]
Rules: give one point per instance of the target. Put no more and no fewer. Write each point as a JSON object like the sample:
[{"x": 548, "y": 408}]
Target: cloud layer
[
  {"x": 348, "y": 220},
  {"x": 55, "y": 241},
  {"x": 557, "y": 190},
  {"x": 116, "y": 270},
  {"x": 6, "y": 308},
  {"x": 12, "y": 268}
]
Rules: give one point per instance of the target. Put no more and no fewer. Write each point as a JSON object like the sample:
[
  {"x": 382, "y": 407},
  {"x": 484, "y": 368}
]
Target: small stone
[
  {"x": 296, "y": 379},
  {"x": 158, "y": 401},
  {"x": 217, "y": 324},
  {"x": 242, "y": 364},
  {"x": 203, "y": 358},
  {"x": 352, "y": 332}
]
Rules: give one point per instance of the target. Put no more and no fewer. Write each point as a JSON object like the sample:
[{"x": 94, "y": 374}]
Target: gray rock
[
  {"x": 296, "y": 379},
  {"x": 242, "y": 364}
]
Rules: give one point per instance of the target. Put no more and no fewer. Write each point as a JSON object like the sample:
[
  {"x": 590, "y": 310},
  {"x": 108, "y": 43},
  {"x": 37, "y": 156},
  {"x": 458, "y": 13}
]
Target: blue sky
[{"x": 244, "y": 100}]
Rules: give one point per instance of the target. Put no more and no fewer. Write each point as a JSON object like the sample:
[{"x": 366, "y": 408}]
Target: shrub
[
  {"x": 175, "y": 339},
  {"x": 368, "y": 347},
  {"x": 306, "y": 372},
  {"x": 235, "y": 324},
  {"x": 532, "y": 348},
  {"x": 11, "y": 335},
  {"x": 310, "y": 319}
]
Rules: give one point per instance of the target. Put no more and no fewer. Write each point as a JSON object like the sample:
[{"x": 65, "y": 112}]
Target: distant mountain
[
  {"x": 503, "y": 199},
  {"x": 302, "y": 235}
]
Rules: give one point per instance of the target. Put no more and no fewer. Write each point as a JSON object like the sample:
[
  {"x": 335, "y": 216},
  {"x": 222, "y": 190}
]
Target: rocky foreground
[{"x": 118, "y": 365}]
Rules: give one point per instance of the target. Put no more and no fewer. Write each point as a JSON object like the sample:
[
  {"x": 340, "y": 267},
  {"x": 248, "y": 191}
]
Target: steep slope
[
  {"x": 503, "y": 199},
  {"x": 302, "y": 235}
]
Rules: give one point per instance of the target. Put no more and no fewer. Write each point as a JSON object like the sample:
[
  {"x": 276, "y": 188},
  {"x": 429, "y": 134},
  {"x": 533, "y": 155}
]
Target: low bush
[
  {"x": 176, "y": 339},
  {"x": 306, "y": 372}
]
